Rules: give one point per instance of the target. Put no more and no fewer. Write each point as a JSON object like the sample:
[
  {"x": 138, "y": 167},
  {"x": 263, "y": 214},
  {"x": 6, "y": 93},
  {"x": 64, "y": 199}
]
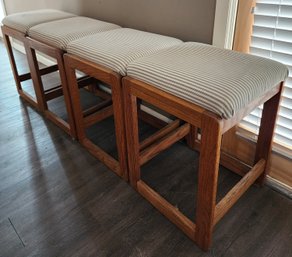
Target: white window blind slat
[
  {"x": 272, "y": 38},
  {"x": 249, "y": 126},
  {"x": 274, "y": 10},
  {"x": 272, "y": 45},
  {"x": 268, "y": 33},
  {"x": 288, "y": 2},
  {"x": 285, "y": 112},
  {"x": 286, "y": 11},
  {"x": 283, "y": 122},
  {"x": 265, "y": 21},
  {"x": 272, "y": 21},
  {"x": 287, "y": 92},
  {"x": 284, "y": 132},
  {"x": 284, "y": 2},
  {"x": 287, "y": 102},
  {"x": 283, "y": 141},
  {"x": 259, "y": 52},
  {"x": 289, "y": 82}
]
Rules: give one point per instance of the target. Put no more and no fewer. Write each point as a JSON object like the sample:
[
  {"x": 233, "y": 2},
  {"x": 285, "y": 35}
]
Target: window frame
[{"x": 240, "y": 144}]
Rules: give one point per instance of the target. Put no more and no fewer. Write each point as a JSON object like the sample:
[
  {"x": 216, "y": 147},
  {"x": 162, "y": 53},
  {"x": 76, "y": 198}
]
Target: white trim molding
[
  {"x": 279, "y": 187},
  {"x": 2, "y": 14},
  {"x": 224, "y": 24}
]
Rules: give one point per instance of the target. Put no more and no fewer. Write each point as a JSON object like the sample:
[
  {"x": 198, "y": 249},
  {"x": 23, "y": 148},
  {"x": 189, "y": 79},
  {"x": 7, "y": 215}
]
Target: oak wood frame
[
  {"x": 42, "y": 95},
  {"x": 12, "y": 33},
  {"x": 112, "y": 79},
  {"x": 208, "y": 213}
]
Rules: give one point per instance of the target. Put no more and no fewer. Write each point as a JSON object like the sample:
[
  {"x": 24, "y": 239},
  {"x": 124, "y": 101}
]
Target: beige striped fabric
[
  {"x": 221, "y": 81},
  {"x": 25, "y": 20},
  {"x": 60, "y": 33},
  {"x": 117, "y": 48}
]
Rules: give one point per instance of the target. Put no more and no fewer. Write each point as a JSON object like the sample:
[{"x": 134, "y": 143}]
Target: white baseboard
[{"x": 279, "y": 187}]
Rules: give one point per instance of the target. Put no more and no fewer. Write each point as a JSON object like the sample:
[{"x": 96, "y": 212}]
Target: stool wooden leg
[
  {"x": 75, "y": 99},
  {"x": 192, "y": 137},
  {"x": 66, "y": 95},
  {"x": 265, "y": 138},
  {"x": 132, "y": 131},
  {"x": 118, "y": 107},
  {"x": 36, "y": 78},
  {"x": 207, "y": 182},
  {"x": 12, "y": 60}
]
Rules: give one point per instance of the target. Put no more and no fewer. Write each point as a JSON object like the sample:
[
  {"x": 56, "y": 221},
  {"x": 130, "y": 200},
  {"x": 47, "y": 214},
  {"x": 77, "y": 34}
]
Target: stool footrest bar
[
  {"x": 168, "y": 210},
  {"x": 159, "y": 134},
  {"x": 164, "y": 143},
  {"x": 97, "y": 107},
  {"x": 238, "y": 190},
  {"x": 98, "y": 116},
  {"x": 104, "y": 157}
]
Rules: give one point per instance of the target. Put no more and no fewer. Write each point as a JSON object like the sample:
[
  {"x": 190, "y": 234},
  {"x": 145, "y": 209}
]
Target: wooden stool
[
  {"x": 52, "y": 39},
  {"x": 16, "y": 26},
  {"x": 105, "y": 57},
  {"x": 207, "y": 88}
]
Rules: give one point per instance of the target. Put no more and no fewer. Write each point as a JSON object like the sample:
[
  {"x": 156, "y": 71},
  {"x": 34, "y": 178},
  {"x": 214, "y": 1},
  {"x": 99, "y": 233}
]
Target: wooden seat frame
[{"x": 208, "y": 213}]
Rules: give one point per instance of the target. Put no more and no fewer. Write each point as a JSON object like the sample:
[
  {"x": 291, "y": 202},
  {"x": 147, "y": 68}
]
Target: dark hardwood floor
[{"x": 57, "y": 200}]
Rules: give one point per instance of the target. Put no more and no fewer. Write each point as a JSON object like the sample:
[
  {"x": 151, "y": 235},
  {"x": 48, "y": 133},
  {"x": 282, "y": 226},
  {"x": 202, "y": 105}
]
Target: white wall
[
  {"x": 189, "y": 20},
  {"x": 2, "y": 14},
  {"x": 2, "y": 10}
]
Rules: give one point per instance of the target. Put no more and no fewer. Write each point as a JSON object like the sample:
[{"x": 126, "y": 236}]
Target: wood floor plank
[{"x": 9, "y": 240}]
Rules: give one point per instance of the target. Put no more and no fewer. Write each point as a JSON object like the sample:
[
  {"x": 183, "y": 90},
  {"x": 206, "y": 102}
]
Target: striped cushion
[
  {"x": 25, "y": 20},
  {"x": 116, "y": 49},
  {"x": 219, "y": 80},
  {"x": 60, "y": 33}
]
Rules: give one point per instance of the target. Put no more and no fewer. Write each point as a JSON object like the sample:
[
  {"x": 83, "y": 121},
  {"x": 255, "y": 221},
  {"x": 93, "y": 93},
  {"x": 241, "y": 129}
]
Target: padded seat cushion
[
  {"x": 60, "y": 33},
  {"x": 116, "y": 49},
  {"x": 221, "y": 81},
  {"x": 25, "y": 20}
]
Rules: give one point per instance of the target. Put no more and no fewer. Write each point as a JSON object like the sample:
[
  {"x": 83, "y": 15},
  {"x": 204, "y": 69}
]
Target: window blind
[{"x": 272, "y": 38}]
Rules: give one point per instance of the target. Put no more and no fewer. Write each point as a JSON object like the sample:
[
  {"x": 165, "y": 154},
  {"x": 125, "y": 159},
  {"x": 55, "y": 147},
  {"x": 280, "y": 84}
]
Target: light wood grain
[
  {"x": 113, "y": 80},
  {"x": 159, "y": 134},
  {"x": 132, "y": 133},
  {"x": 208, "y": 176},
  {"x": 163, "y": 143},
  {"x": 266, "y": 133},
  {"x": 244, "y": 23},
  {"x": 98, "y": 116},
  {"x": 172, "y": 213},
  {"x": 238, "y": 190}
]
